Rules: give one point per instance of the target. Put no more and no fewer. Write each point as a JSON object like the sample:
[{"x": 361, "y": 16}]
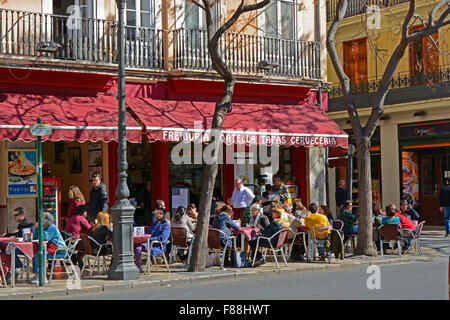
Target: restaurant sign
[
  {"x": 430, "y": 129},
  {"x": 39, "y": 129},
  {"x": 254, "y": 138}
]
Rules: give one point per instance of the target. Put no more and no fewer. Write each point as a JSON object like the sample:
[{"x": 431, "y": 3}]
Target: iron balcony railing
[
  {"x": 355, "y": 7},
  {"x": 401, "y": 80},
  {"x": 243, "y": 53},
  {"x": 81, "y": 39},
  {"x": 95, "y": 41}
]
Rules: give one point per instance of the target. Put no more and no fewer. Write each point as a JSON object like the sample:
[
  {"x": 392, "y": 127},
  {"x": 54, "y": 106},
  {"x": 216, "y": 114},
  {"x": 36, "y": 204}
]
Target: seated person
[
  {"x": 78, "y": 223},
  {"x": 323, "y": 209},
  {"x": 288, "y": 208},
  {"x": 408, "y": 211},
  {"x": 192, "y": 211},
  {"x": 299, "y": 210},
  {"x": 377, "y": 214},
  {"x": 269, "y": 231},
  {"x": 224, "y": 223},
  {"x": 54, "y": 241},
  {"x": 350, "y": 220},
  {"x": 101, "y": 233},
  {"x": 317, "y": 219},
  {"x": 160, "y": 231},
  {"x": 258, "y": 218},
  {"x": 218, "y": 206},
  {"x": 181, "y": 219},
  {"x": 23, "y": 224},
  {"x": 407, "y": 230},
  {"x": 284, "y": 218},
  {"x": 390, "y": 215}
]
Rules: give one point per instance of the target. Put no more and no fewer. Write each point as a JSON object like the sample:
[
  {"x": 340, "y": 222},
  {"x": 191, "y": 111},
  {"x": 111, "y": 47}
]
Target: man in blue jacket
[{"x": 160, "y": 231}]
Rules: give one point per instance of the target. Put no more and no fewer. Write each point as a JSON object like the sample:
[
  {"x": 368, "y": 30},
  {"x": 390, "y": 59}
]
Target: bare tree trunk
[
  {"x": 365, "y": 235},
  {"x": 200, "y": 248}
]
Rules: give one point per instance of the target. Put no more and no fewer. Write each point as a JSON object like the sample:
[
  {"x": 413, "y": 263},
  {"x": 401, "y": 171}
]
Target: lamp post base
[{"x": 123, "y": 266}]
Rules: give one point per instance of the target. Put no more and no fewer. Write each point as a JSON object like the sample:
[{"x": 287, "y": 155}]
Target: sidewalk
[{"x": 179, "y": 276}]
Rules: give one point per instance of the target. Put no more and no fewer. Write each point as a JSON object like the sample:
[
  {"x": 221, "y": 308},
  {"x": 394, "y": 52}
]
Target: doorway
[{"x": 433, "y": 166}]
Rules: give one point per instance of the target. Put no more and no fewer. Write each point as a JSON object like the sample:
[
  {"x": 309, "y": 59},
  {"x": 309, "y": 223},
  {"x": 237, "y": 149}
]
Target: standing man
[
  {"x": 241, "y": 198},
  {"x": 279, "y": 190},
  {"x": 341, "y": 195},
  {"x": 444, "y": 202},
  {"x": 98, "y": 197}
]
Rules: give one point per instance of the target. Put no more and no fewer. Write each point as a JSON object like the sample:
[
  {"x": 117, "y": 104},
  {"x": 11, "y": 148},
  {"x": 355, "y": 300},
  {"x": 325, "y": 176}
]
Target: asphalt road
[{"x": 419, "y": 280}]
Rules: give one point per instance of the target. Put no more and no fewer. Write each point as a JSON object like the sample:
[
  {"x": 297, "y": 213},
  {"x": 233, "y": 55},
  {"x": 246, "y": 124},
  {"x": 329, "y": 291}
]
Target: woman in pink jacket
[{"x": 77, "y": 223}]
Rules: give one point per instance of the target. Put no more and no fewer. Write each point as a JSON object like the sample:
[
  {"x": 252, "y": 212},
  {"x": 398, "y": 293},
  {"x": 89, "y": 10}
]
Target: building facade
[
  {"x": 410, "y": 151},
  {"x": 171, "y": 89}
]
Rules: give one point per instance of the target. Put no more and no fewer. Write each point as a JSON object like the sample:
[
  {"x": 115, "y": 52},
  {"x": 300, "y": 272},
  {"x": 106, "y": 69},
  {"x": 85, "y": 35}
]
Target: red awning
[
  {"x": 337, "y": 157},
  {"x": 72, "y": 118},
  {"x": 299, "y": 125}
]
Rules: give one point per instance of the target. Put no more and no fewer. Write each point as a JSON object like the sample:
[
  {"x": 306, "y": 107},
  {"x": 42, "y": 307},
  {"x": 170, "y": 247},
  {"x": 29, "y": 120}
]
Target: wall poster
[
  {"x": 22, "y": 173},
  {"x": 410, "y": 177}
]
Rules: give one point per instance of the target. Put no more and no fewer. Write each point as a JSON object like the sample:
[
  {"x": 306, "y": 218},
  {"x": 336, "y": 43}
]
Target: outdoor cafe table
[
  {"x": 139, "y": 239},
  {"x": 29, "y": 249},
  {"x": 248, "y": 232}
]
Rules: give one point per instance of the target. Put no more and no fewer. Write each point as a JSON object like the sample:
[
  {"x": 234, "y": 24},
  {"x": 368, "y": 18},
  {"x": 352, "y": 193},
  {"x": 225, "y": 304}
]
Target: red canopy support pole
[
  {"x": 160, "y": 173},
  {"x": 299, "y": 171},
  {"x": 112, "y": 170}
]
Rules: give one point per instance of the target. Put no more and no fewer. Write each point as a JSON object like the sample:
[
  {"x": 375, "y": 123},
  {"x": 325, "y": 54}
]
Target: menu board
[{"x": 22, "y": 173}]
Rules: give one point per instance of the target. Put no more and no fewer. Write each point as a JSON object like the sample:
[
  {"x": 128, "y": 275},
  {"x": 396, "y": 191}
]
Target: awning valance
[
  {"x": 84, "y": 118},
  {"x": 247, "y": 123}
]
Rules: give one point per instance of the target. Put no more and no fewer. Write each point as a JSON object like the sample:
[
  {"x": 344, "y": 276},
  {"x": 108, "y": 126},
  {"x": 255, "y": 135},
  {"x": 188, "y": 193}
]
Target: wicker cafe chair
[
  {"x": 319, "y": 232},
  {"x": 180, "y": 241},
  {"x": 282, "y": 235},
  {"x": 71, "y": 246},
  {"x": 214, "y": 243},
  {"x": 87, "y": 251},
  {"x": 390, "y": 233}
]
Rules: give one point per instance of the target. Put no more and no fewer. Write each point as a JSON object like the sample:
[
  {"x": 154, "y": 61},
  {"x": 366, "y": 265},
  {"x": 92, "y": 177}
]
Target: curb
[{"x": 100, "y": 289}]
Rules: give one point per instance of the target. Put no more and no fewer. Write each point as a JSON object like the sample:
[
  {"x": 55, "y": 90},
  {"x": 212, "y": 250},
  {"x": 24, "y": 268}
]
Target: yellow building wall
[{"x": 386, "y": 38}]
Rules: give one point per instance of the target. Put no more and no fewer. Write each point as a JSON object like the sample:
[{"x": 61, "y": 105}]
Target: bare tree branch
[
  {"x": 343, "y": 78},
  {"x": 198, "y": 4}
]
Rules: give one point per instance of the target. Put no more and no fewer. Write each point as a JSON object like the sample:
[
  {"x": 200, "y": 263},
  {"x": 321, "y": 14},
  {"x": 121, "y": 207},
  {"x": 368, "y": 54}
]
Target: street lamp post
[{"x": 123, "y": 267}]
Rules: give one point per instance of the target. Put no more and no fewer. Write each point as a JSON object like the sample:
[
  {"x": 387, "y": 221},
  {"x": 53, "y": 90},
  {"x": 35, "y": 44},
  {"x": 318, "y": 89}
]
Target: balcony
[
  {"x": 355, "y": 7},
  {"x": 82, "y": 40},
  {"x": 94, "y": 42},
  {"x": 405, "y": 87},
  {"x": 242, "y": 53}
]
